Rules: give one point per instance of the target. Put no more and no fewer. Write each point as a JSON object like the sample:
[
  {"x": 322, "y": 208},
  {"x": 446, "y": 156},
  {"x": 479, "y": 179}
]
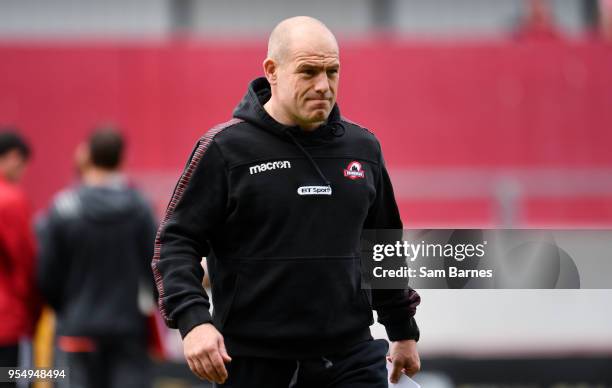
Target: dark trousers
[
  {"x": 362, "y": 366},
  {"x": 9, "y": 356},
  {"x": 113, "y": 362}
]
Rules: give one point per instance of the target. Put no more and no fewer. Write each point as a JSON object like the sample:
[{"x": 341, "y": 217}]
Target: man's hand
[
  {"x": 404, "y": 357},
  {"x": 205, "y": 353}
]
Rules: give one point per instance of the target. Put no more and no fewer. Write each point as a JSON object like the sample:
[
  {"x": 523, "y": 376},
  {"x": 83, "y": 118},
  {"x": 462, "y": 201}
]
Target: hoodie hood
[
  {"x": 251, "y": 109},
  {"x": 112, "y": 202}
]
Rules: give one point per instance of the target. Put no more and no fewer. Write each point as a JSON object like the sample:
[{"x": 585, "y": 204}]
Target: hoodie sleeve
[
  {"x": 145, "y": 241},
  {"x": 51, "y": 274},
  {"x": 395, "y": 307},
  {"x": 196, "y": 209}
]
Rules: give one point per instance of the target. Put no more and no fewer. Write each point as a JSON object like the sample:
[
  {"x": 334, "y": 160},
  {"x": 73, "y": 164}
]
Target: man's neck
[
  {"x": 95, "y": 176},
  {"x": 5, "y": 176}
]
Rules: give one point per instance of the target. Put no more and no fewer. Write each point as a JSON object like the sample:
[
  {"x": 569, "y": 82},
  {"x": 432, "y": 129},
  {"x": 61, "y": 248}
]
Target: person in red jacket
[{"x": 18, "y": 300}]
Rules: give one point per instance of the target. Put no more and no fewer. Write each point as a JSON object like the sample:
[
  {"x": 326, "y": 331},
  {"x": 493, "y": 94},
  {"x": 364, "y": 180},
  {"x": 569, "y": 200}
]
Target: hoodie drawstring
[
  {"x": 337, "y": 129},
  {"x": 310, "y": 159}
]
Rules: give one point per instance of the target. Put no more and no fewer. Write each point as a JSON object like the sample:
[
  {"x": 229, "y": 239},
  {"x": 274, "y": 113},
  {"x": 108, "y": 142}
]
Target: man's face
[
  {"x": 13, "y": 165},
  {"x": 307, "y": 83}
]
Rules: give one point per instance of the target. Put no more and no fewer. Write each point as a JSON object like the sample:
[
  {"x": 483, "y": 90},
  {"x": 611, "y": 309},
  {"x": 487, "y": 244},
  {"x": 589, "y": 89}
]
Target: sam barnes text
[{"x": 424, "y": 272}]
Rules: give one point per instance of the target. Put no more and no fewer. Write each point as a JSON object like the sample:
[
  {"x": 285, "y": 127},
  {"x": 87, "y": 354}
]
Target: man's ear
[
  {"x": 82, "y": 157},
  {"x": 270, "y": 68}
]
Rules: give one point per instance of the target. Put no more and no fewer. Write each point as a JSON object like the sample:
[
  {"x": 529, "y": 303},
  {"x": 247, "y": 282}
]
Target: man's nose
[{"x": 322, "y": 83}]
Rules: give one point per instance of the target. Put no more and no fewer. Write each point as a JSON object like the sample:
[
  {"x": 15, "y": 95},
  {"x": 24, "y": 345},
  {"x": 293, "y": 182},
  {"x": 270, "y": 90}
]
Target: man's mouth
[{"x": 319, "y": 101}]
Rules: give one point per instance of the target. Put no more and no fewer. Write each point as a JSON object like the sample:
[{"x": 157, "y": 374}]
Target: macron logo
[{"x": 269, "y": 166}]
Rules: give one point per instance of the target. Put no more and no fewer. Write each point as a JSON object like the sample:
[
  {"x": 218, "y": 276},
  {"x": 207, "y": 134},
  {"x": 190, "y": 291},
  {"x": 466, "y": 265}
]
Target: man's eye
[
  {"x": 332, "y": 71},
  {"x": 309, "y": 72}
]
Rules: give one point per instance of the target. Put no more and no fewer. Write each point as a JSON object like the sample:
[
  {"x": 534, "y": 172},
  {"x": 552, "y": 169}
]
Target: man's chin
[
  {"x": 314, "y": 118},
  {"x": 319, "y": 115}
]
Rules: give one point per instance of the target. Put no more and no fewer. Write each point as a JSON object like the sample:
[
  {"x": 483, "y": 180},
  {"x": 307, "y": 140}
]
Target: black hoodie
[
  {"x": 95, "y": 247},
  {"x": 279, "y": 212}
]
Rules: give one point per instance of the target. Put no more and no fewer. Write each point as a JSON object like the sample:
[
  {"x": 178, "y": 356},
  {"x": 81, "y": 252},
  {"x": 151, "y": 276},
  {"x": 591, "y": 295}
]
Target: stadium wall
[{"x": 462, "y": 125}]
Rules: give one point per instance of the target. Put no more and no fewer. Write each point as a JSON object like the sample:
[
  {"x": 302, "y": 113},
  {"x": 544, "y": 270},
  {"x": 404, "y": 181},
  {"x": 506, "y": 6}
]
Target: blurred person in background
[
  {"x": 280, "y": 198},
  {"x": 19, "y": 304},
  {"x": 605, "y": 12},
  {"x": 95, "y": 249},
  {"x": 537, "y": 22}
]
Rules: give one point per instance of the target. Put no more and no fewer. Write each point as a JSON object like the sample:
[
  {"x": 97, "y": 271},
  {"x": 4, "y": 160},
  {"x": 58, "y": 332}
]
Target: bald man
[{"x": 277, "y": 198}]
